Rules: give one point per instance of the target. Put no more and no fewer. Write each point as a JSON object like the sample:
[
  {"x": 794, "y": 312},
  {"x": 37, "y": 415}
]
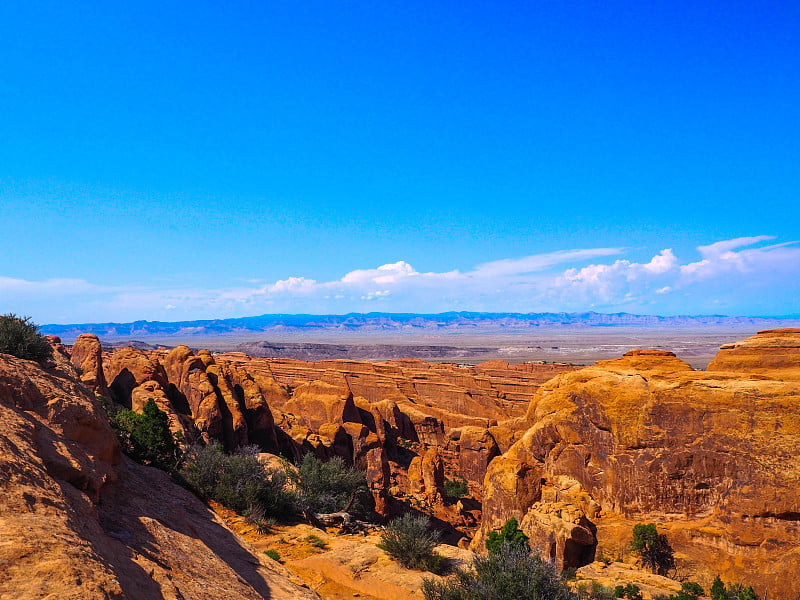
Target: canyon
[{"x": 577, "y": 455}]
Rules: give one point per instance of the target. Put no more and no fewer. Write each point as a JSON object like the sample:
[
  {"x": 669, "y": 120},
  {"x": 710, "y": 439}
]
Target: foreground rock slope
[
  {"x": 710, "y": 456},
  {"x": 79, "y": 521}
]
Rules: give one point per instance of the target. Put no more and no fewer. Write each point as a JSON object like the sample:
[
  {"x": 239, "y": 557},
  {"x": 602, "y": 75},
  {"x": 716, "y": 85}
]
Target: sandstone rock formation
[
  {"x": 775, "y": 353},
  {"x": 76, "y": 523},
  {"x": 370, "y": 414},
  {"x": 87, "y": 356},
  {"x": 709, "y": 456}
]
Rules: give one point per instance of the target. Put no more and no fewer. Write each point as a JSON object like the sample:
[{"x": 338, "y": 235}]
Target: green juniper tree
[{"x": 20, "y": 337}]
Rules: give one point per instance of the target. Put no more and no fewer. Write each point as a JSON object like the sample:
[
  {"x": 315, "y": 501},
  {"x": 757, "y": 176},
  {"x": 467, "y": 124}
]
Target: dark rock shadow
[{"x": 143, "y": 494}]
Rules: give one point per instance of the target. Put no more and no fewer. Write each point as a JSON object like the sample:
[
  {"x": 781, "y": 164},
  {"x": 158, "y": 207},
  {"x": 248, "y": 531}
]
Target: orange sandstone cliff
[
  {"x": 710, "y": 456},
  {"x": 383, "y": 417}
]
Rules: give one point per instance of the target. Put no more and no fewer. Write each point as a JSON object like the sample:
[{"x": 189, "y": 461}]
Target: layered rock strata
[{"x": 378, "y": 416}]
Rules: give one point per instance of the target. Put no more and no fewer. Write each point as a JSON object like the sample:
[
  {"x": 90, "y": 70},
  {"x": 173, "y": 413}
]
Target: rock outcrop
[
  {"x": 87, "y": 356},
  {"x": 711, "y": 457},
  {"x": 79, "y": 521},
  {"x": 370, "y": 414},
  {"x": 774, "y": 353}
]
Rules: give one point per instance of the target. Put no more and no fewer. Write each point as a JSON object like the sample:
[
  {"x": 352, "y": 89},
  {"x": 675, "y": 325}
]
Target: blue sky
[{"x": 189, "y": 160}]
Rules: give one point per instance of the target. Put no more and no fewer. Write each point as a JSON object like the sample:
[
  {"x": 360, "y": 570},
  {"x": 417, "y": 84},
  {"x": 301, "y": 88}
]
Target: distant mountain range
[{"x": 403, "y": 322}]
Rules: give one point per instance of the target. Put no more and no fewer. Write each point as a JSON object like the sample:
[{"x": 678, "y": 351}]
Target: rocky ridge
[
  {"x": 384, "y": 417},
  {"x": 78, "y": 520}
]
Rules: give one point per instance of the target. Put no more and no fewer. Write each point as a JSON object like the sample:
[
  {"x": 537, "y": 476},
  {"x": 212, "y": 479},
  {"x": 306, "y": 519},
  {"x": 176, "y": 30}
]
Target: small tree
[
  {"x": 690, "y": 590},
  {"x": 327, "y": 486},
  {"x": 732, "y": 592},
  {"x": 654, "y": 548},
  {"x": 718, "y": 590},
  {"x": 511, "y": 573},
  {"x": 510, "y": 535},
  {"x": 146, "y": 436},
  {"x": 631, "y": 591},
  {"x": 19, "y": 336},
  {"x": 455, "y": 488},
  {"x": 410, "y": 541}
]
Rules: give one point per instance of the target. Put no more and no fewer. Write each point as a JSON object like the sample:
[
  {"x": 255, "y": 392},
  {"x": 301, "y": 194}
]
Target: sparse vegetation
[
  {"x": 509, "y": 535},
  {"x": 511, "y": 573},
  {"x": 19, "y": 336},
  {"x": 455, "y": 488},
  {"x": 257, "y": 516},
  {"x": 411, "y": 542},
  {"x": 146, "y": 436},
  {"x": 329, "y": 486},
  {"x": 238, "y": 481},
  {"x": 316, "y": 541},
  {"x": 653, "y": 547},
  {"x": 597, "y": 591},
  {"x": 719, "y": 591},
  {"x": 630, "y": 591},
  {"x": 273, "y": 554}
]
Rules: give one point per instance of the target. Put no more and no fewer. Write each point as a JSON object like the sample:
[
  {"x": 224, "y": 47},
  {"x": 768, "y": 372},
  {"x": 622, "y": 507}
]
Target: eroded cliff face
[
  {"x": 80, "y": 521},
  {"x": 380, "y": 416},
  {"x": 710, "y": 456}
]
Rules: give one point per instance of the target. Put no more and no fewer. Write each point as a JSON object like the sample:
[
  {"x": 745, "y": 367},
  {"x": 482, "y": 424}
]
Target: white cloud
[
  {"x": 538, "y": 262},
  {"x": 722, "y": 258},
  {"x": 293, "y": 284},
  {"x": 390, "y": 273},
  {"x": 734, "y": 275}
]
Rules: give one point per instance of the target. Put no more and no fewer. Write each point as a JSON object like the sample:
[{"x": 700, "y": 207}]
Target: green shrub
[
  {"x": 509, "y": 535},
  {"x": 690, "y": 590},
  {"x": 510, "y": 573},
  {"x": 146, "y": 436},
  {"x": 630, "y": 591},
  {"x": 238, "y": 481},
  {"x": 19, "y": 336},
  {"x": 316, "y": 541},
  {"x": 455, "y": 488},
  {"x": 653, "y": 547},
  {"x": 732, "y": 592},
  {"x": 273, "y": 554},
  {"x": 410, "y": 541},
  {"x": 325, "y": 487}
]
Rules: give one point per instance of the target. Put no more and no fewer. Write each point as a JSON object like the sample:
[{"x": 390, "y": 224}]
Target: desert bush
[
  {"x": 146, "y": 436},
  {"x": 455, "y": 488},
  {"x": 732, "y": 591},
  {"x": 327, "y": 486},
  {"x": 596, "y": 591},
  {"x": 19, "y": 336},
  {"x": 410, "y": 541},
  {"x": 273, "y": 554},
  {"x": 316, "y": 541},
  {"x": 631, "y": 591},
  {"x": 509, "y": 535},
  {"x": 238, "y": 481},
  {"x": 653, "y": 547},
  {"x": 511, "y": 573}
]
